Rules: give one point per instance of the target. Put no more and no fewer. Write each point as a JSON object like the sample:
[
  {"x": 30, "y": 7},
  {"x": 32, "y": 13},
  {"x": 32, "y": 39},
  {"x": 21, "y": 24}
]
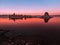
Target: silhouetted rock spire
[
  {"x": 46, "y": 14},
  {"x": 13, "y": 13}
]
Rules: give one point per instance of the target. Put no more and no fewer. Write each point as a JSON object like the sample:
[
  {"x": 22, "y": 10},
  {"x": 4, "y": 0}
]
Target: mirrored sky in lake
[{"x": 29, "y": 23}]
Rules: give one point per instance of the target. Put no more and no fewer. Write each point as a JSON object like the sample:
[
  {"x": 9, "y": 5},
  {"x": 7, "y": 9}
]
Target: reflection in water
[
  {"x": 30, "y": 31},
  {"x": 45, "y": 19},
  {"x": 14, "y": 19},
  {"x": 28, "y": 23}
]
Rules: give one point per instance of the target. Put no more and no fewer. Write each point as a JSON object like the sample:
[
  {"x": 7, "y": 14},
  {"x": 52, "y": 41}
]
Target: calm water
[
  {"x": 32, "y": 31},
  {"x": 29, "y": 23}
]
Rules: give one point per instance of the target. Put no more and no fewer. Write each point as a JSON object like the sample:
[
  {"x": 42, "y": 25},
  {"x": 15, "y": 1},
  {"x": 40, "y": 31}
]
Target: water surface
[
  {"x": 35, "y": 31},
  {"x": 29, "y": 23}
]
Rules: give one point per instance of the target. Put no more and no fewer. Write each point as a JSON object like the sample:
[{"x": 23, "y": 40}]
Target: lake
[
  {"x": 29, "y": 23},
  {"x": 30, "y": 31}
]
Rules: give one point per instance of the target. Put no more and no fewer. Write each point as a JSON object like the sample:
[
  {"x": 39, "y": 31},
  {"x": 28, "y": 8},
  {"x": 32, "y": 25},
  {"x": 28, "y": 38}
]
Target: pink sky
[{"x": 30, "y": 12}]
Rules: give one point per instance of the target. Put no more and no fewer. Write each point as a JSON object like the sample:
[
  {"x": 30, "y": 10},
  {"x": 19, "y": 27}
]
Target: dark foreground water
[{"x": 30, "y": 31}]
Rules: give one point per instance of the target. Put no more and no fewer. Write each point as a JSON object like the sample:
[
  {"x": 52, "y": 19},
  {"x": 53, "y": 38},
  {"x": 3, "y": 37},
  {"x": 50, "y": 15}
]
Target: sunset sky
[{"x": 34, "y": 7}]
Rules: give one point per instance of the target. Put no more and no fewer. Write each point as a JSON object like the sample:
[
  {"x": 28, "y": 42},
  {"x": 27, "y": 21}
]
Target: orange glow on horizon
[{"x": 30, "y": 12}]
